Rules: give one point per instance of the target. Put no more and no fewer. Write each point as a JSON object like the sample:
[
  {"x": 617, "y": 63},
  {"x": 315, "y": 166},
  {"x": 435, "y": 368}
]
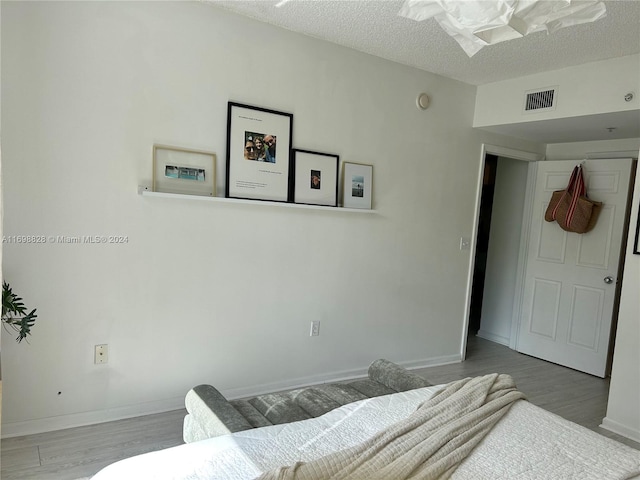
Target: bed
[{"x": 527, "y": 442}]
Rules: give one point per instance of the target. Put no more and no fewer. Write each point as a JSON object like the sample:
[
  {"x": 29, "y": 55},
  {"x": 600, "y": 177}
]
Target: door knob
[{"x": 608, "y": 280}]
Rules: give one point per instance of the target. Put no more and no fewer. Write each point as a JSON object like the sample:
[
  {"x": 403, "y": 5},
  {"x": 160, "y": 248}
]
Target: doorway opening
[
  {"x": 482, "y": 242},
  {"x": 507, "y": 192},
  {"x": 501, "y": 208}
]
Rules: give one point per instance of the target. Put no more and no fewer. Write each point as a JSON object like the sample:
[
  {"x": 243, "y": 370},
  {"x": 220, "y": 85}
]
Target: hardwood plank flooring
[
  {"x": 83, "y": 451},
  {"x": 576, "y": 396}
]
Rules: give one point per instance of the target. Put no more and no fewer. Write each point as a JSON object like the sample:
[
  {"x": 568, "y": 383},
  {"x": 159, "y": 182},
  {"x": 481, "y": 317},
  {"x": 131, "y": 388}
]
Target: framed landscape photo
[
  {"x": 315, "y": 178},
  {"x": 258, "y": 153},
  {"x": 179, "y": 170},
  {"x": 357, "y": 185}
]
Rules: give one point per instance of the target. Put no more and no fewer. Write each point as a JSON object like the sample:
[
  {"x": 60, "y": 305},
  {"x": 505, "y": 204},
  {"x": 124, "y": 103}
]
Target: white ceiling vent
[{"x": 541, "y": 100}]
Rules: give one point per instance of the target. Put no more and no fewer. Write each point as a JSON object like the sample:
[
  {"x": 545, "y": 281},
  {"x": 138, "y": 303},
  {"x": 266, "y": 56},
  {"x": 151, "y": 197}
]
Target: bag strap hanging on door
[
  {"x": 571, "y": 207},
  {"x": 576, "y": 188}
]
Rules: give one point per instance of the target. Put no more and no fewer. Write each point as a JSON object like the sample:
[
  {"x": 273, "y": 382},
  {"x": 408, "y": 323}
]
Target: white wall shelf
[{"x": 146, "y": 192}]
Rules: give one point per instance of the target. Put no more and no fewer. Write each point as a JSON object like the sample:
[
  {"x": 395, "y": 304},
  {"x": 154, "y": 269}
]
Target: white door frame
[
  {"x": 522, "y": 254},
  {"x": 525, "y": 156}
]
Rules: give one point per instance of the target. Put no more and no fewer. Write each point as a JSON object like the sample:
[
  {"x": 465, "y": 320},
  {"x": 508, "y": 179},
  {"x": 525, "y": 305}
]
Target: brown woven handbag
[{"x": 571, "y": 207}]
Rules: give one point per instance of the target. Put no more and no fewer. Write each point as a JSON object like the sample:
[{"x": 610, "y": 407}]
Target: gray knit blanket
[{"x": 429, "y": 444}]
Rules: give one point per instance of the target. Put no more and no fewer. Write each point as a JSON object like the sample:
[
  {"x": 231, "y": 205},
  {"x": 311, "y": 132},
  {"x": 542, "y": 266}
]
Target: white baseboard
[
  {"x": 61, "y": 422},
  {"x": 431, "y": 362},
  {"x": 493, "y": 338},
  {"x": 290, "y": 384},
  {"x": 615, "y": 427},
  {"x": 49, "y": 424},
  {"x": 338, "y": 376}
]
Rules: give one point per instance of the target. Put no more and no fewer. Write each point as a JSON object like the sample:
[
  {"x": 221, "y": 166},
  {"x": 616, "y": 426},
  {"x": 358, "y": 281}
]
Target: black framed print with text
[{"x": 259, "y": 144}]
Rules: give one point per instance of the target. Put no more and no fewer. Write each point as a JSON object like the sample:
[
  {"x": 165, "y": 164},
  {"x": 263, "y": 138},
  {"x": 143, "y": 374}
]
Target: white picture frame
[
  {"x": 357, "y": 185},
  {"x": 184, "y": 171}
]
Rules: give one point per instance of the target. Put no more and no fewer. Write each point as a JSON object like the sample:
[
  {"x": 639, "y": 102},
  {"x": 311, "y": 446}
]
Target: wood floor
[{"x": 81, "y": 452}]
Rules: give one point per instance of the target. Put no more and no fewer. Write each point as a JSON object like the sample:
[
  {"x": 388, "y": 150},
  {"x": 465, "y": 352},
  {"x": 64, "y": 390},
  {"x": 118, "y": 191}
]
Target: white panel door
[{"x": 568, "y": 302}]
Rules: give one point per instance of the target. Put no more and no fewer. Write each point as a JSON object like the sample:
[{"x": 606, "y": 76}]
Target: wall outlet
[
  {"x": 101, "y": 354},
  {"x": 315, "y": 329}
]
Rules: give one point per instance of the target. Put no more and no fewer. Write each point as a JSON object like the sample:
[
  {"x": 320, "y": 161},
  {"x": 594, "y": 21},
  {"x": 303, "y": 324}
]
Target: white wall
[
  {"x": 206, "y": 292},
  {"x": 625, "y": 148},
  {"x": 504, "y": 248},
  {"x": 590, "y": 89},
  {"x": 623, "y": 411}
]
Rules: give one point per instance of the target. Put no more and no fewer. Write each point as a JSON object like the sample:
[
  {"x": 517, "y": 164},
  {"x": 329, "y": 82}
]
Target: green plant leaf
[{"x": 14, "y": 313}]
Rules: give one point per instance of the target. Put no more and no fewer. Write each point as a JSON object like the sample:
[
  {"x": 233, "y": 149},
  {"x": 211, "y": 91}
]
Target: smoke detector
[{"x": 422, "y": 102}]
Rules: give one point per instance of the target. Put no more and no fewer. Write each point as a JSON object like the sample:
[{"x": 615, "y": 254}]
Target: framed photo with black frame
[
  {"x": 636, "y": 246},
  {"x": 357, "y": 186},
  {"x": 258, "y": 153},
  {"x": 315, "y": 178},
  {"x": 184, "y": 171}
]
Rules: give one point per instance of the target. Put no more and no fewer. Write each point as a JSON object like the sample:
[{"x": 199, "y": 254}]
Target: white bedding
[{"x": 528, "y": 443}]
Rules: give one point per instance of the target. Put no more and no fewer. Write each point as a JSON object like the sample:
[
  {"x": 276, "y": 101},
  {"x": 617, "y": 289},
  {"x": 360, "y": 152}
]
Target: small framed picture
[
  {"x": 357, "y": 185},
  {"x": 315, "y": 178},
  {"x": 258, "y": 153},
  {"x": 179, "y": 170}
]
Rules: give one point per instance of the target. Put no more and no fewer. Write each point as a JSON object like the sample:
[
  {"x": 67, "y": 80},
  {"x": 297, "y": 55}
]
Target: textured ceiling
[{"x": 375, "y": 27}]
